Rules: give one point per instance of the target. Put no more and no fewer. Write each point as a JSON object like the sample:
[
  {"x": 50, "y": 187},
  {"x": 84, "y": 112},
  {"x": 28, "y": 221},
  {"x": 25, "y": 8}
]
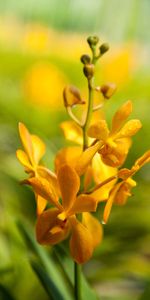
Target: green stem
[
  {"x": 89, "y": 113},
  {"x": 77, "y": 281}
]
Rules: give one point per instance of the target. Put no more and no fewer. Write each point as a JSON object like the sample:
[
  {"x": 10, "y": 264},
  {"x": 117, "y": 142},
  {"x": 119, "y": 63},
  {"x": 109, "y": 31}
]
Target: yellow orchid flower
[
  {"x": 88, "y": 161},
  {"x": 122, "y": 190},
  {"x": 34, "y": 150},
  {"x": 54, "y": 224},
  {"x": 117, "y": 140}
]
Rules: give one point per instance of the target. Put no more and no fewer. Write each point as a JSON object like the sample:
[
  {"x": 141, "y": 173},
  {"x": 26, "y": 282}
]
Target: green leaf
[
  {"x": 5, "y": 294},
  {"x": 68, "y": 266},
  {"x": 146, "y": 293},
  {"x": 51, "y": 267},
  {"x": 46, "y": 281}
]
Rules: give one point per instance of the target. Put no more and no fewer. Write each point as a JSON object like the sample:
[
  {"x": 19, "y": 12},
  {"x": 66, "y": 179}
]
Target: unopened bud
[
  {"x": 89, "y": 70},
  {"x": 85, "y": 59},
  {"x": 103, "y": 48},
  {"x": 92, "y": 40},
  {"x": 72, "y": 96},
  {"x": 108, "y": 90}
]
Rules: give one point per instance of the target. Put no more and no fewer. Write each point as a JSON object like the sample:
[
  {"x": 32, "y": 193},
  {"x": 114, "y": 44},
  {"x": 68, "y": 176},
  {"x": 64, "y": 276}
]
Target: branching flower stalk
[{"x": 85, "y": 174}]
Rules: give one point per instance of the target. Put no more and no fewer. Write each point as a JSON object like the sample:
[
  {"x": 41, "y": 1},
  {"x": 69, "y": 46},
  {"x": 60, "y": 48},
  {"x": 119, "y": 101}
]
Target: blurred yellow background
[{"x": 40, "y": 47}]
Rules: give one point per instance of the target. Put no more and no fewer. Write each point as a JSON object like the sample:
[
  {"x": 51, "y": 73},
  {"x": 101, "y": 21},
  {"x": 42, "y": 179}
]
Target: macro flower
[
  {"x": 30, "y": 157},
  {"x": 94, "y": 171},
  {"x": 54, "y": 224},
  {"x": 122, "y": 190},
  {"x": 117, "y": 141}
]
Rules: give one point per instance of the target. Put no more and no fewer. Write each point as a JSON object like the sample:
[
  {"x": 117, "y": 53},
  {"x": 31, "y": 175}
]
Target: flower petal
[
  {"x": 83, "y": 203},
  {"x": 129, "y": 129},
  {"x": 86, "y": 157},
  {"x": 94, "y": 227},
  {"x": 26, "y": 141},
  {"x": 50, "y": 176},
  {"x": 120, "y": 116},
  {"x": 110, "y": 201},
  {"x": 49, "y": 230},
  {"x": 44, "y": 189},
  {"x": 81, "y": 242},
  {"x": 69, "y": 156},
  {"x": 144, "y": 159},
  {"x": 41, "y": 204},
  {"x": 72, "y": 132},
  {"x": 69, "y": 183},
  {"x": 38, "y": 148},
  {"x": 99, "y": 130},
  {"x": 23, "y": 158}
]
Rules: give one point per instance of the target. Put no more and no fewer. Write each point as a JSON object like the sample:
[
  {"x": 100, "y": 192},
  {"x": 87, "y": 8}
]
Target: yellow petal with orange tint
[
  {"x": 38, "y": 148},
  {"x": 69, "y": 183},
  {"x": 129, "y": 129},
  {"x": 44, "y": 189},
  {"x": 83, "y": 203},
  {"x": 109, "y": 202},
  {"x": 101, "y": 171},
  {"x": 94, "y": 227},
  {"x": 41, "y": 204},
  {"x": 99, "y": 130},
  {"x": 88, "y": 176},
  {"x": 23, "y": 158},
  {"x": 86, "y": 157},
  {"x": 50, "y": 176},
  {"x": 69, "y": 156},
  {"x": 144, "y": 159},
  {"x": 26, "y": 141},
  {"x": 46, "y": 226},
  {"x": 72, "y": 132},
  {"x": 120, "y": 116},
  {"x": 81, "y": 242}
]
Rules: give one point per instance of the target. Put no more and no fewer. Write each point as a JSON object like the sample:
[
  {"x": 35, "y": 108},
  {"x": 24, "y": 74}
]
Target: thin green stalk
[
  {"x": 77, "y": 281},
  {"x": 89, "y": 113}
]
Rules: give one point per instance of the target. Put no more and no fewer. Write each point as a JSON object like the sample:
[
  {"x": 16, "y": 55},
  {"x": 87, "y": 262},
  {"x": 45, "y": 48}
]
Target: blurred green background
[{"x": 40, "y": 47}]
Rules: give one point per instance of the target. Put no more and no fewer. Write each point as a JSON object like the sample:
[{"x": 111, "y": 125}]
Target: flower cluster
[{"x": 85, "y": 174}]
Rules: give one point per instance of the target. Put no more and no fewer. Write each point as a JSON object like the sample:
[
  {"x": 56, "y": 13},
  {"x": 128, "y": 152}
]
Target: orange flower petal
[
  {"x": 26, "y": 141},
  {"x": 120, "y": 116},
  {"x": 69, "y": 156},
  {"x": 99, "y": 130},
  {"x": 144, "y": 159},
  {"x": 44, "y": 189},
  {"x": 23, "y": 158},
  {"x": 86, "y": 157},
  {"x": 41, "y": 204},
  {"x": 109, "y": 202},
  {"x": 48, "y": 229},
  {"x": 88, "y": 177},
  {"x": 50, "y": 176},
  {"x": 83, "y": 203},
  {"x": 101, "y": 171},
  {"x": 81, "y": 242},
  {"x": 72, "y": 132},
  {"x": 94, "y": 227},
  {"x": 38, "y": 148},
  {"x": 129, "y": 129},
  {"x": 69, "y": 183}
]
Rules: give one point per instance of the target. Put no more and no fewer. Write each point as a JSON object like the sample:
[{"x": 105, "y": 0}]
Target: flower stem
[
  {"x": 89, "y": 113},
  {"x": 77, "y": 281}
]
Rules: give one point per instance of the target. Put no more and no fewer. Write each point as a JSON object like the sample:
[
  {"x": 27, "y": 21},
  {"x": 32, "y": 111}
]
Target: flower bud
[
  {"x": 92, "y": 40},
  {"x": 103, "y": 48},
  {"x": 72, "y": 96},
  {"x": 108, "y": 90},
  {"x": 89, "y": 70},
  {"x": 85, "y": 59}
]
